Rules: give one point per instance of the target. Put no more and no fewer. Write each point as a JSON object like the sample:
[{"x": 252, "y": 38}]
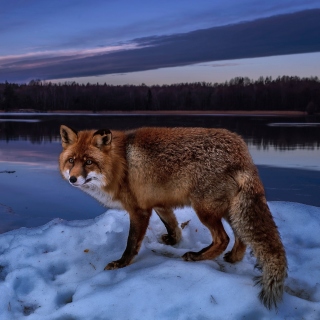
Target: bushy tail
[{"x": 252, "y": 221}]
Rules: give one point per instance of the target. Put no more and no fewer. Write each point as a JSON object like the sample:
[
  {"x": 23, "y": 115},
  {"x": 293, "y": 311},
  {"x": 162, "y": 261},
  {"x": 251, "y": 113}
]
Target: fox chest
[{"x": 102, "y": 197}]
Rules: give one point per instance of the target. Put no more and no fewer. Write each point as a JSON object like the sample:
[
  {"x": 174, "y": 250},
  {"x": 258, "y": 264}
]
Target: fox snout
[
  {"x": 78, "y": 181},
  {"x": 81, "y": 180},
  {"x": 73, "y": 179}
]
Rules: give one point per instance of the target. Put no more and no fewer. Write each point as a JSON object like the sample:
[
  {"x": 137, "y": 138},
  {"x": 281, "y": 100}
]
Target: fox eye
[
  {"x": 88, "y": 162},
  {"x": 71, "y": 160}
]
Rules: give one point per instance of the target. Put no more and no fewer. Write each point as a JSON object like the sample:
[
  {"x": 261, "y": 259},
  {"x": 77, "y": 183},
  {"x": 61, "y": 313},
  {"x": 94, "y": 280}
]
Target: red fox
[{"x": 164, "y": 168}]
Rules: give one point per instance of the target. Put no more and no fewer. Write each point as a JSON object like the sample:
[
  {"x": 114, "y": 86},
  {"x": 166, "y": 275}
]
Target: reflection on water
[
  {"x": 260, "y": 132},
  {"x": 280, "y": 132},
  {"x": 20, "y": 120},
  {"x": 294, "y": 124},
  {"x": 32, "y": 191}
]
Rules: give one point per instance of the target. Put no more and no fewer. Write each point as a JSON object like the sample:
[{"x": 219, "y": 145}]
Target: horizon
[{"x": 83, "y": 81}]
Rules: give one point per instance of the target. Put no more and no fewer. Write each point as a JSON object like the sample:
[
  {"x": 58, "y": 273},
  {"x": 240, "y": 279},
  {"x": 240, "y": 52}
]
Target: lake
[{"x": 286, "y": 150}]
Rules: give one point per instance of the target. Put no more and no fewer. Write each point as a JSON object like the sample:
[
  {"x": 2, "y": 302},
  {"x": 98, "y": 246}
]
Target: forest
[{"x": 280, "y": 94}]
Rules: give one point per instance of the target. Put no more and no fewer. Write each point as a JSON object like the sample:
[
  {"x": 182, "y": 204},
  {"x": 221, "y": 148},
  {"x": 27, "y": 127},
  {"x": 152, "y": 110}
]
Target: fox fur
[{"x": 164, "y": 168}]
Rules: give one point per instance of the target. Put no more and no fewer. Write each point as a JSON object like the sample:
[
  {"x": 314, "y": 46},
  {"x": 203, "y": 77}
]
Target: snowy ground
[{"x": 56, "y": 272}]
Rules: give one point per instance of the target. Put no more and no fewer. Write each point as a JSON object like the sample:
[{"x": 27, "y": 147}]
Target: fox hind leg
[
  {"x": 219, "y": 237},
  {"x": 168, "y": 218},
  {"x": 237, "y": 252}
]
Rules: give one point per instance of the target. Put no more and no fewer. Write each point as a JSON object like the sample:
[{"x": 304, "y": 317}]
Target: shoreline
[{"x": 163, "y": 112}]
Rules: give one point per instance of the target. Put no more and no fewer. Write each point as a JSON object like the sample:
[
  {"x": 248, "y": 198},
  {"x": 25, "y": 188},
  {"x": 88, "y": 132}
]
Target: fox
[{"x": 160, "y": 169}]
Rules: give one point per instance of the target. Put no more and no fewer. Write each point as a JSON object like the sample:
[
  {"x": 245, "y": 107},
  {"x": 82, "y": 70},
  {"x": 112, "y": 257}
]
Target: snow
[{"x": 56, "y": 271}]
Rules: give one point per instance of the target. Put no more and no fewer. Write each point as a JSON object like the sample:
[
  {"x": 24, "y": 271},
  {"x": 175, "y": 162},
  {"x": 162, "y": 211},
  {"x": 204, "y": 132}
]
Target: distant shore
[{"x": 167, "y": 112}]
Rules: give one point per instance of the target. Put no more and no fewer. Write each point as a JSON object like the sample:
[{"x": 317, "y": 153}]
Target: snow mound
[{"x": 56, "y": 271}]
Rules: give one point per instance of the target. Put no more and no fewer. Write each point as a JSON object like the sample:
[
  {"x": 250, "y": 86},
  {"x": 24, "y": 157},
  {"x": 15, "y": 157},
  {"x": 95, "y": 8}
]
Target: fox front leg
[{"x": 139, "y": 221}]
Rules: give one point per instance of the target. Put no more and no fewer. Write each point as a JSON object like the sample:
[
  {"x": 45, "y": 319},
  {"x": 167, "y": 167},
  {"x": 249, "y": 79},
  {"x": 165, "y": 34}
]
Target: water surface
[{"x": 32, "y": 192}]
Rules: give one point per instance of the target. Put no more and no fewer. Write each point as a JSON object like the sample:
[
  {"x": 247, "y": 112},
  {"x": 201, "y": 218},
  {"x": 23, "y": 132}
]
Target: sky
[{"x": 157, "y": 42}]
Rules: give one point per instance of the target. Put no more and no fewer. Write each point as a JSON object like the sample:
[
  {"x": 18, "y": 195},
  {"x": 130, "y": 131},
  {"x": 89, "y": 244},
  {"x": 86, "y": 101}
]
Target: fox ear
[
  {"x": 101, "y": 138},
  {"x": 68, "y": 136}
]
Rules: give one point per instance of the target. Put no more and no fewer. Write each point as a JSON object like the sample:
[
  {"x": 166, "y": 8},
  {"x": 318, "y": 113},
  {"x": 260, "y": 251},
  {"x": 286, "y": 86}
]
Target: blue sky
[{"x": 157, "y": 41}]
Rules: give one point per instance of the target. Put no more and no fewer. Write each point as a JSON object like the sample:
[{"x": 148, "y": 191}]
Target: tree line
[{"x": 240, "y": 93}]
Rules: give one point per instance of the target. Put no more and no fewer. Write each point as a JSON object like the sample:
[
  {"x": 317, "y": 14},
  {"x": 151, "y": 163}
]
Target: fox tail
[{"x": 252, "y": 220}]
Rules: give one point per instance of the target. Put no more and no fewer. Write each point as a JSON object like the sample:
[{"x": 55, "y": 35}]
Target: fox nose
[{"x": 73, "y": 179}]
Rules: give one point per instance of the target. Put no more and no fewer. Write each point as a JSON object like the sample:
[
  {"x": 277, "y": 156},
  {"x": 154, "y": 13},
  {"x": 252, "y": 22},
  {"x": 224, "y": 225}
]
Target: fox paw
[
  {"x": 116, "y": 265},
  {"x": 228, "y": 257},
  {"x": 231, "y": 257},
  {"x": 191, "y": 256},
  {"x": 169, "y": 240}
]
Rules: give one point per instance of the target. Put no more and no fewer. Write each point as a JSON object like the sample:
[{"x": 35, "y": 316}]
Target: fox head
[{"x": 85, "y": 160}]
